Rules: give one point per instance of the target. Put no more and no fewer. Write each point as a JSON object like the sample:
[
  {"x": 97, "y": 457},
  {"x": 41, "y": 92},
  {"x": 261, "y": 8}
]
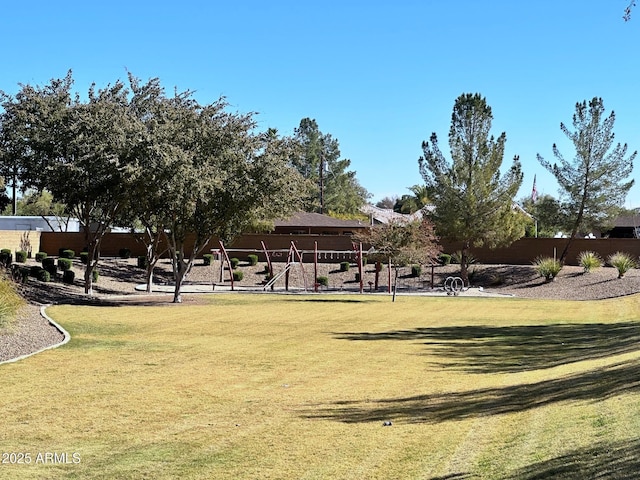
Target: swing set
[{"x": 294, "y": 258}]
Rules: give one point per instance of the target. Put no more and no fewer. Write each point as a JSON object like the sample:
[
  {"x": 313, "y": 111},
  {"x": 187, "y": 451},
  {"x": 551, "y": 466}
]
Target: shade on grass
[{"x": 258, "y": 386}]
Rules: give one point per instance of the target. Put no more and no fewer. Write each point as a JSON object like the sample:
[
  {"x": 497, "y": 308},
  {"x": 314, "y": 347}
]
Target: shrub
[
  {"x": 234, "y": 262},
  {"x": 43, "y": 276},
  {"x": 68, "y": 253},
  {"x": 623, "y": 262},
  {"x": 344, "y": 266},
  {"x": 64, "y": 264},
  {"x": 48, "y": 261},
  {"x": 237, "y": 276},
  {"x": 95, "y": 274},
  {"x": 324, "y": 281},
  {"x": 68, "y": 276},
  {"x": 547, "y": 267},
  {"x": 35, "y": 270},
  {"x": 41, "y": 256},
  {"x": 24, "y": 274},
  {"x": 357, "y": 277},
  {"x": 207, "y": 258},
  {"x": 142, "y": 261},
  {"x": 416, "y": 270},
  {"x": 124, "y": 253},
  {"x": 456, "y": 257},
  {"x": 444, "y": 258},
  {"x": 6, "y": 257},
  {"x": 253, "y": 259},
  {"x": 21, "y": 256},
  {"x": 84, "y": 257},
  {"x": 589, "y": 261}
]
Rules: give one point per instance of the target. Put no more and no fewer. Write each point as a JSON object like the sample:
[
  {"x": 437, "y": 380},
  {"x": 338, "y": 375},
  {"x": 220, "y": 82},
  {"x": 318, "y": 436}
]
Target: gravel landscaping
[{"x": 119, "y": 278}]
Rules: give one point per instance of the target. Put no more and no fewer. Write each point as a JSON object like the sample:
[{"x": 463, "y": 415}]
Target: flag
[{"x": 534, "y": 191}]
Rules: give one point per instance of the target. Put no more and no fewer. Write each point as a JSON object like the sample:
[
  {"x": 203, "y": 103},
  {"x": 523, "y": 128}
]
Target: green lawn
[{"x": 276, "y": 387}]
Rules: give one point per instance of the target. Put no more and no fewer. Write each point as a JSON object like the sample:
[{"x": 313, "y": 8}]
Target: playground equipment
[
  {"x": 294, "y": 258},
  {"x": 453, "y": 285}
]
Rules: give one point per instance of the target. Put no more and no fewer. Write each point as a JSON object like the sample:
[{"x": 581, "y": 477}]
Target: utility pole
[{"x": 321, "y": 183}]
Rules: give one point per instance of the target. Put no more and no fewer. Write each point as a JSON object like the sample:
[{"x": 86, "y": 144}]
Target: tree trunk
[
  {"x": 395, "y": 284},
  {"x": 464, "y": 264}
]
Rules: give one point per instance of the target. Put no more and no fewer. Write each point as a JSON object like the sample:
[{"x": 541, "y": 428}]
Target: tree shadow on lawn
[
  {"x": 486, "y": 349},
  {"x": 617, "y": 460},
  {"x": 595, "y": 385}
]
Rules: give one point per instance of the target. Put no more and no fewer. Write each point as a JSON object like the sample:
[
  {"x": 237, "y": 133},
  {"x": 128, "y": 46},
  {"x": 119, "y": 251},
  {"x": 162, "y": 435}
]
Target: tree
[
  {"x": 403, "y": 243},
  {"x": 595, "y": 183},
  {"x": 627, "y": 10},
  {"x": 473, "y": 201},
  {"x": 387, "y": 202},
  {"x": 333, "y": 187},
  {"x": 408, "y": 204},
  {"x": 549, "y": 215},
  {"x": 84, "y": 153},
  {"x": 213, "y": 176},
  {"x": 41, "y": 203}
]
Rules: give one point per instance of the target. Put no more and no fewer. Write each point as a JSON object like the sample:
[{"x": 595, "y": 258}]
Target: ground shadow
[
  {"x": 487, "y": 349},
  {"x": 619, "y": 460},
  {"x": 595, "y": 385}
]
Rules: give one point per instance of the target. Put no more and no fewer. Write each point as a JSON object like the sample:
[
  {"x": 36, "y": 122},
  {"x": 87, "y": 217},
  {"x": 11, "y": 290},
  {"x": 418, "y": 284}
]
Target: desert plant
[
  {"x": 444, "y": 258},
  {"x": 6, "y": 257},
  {"x": 68, "y": 253},
  {"x": 238, "y": 276},
  {"x": 64, "y": 264},
  {"x": 21, "y": 256},
  {"x": 68, "y": 276},
  {"x": 324, "y": 281},
  {"x": 253, "y": 259},
  {"x": 547, "y": 267},
  {"x": 416, "y": 270},
  {"x": 43, "y": 276},
  {"x": 623, "y": 262},
  {"x": 456, "y": 257},
  {"x": 234, "y": 262},
  {"x": 95, "y": 274},
  {"x": 589, "y": 261},
  {"x": 41, "y": 256},
  {"x": 207, "y": 258},
  {"x": 344, "y": 266}
]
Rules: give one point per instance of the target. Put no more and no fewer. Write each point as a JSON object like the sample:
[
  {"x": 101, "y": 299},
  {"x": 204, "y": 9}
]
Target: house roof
[
  {"x": 306, "y": 219},
  {"x": 628, "y": 221}
]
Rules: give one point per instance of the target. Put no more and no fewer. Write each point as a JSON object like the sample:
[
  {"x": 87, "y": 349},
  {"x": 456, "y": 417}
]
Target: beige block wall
[{"x": 19, "y": 240}]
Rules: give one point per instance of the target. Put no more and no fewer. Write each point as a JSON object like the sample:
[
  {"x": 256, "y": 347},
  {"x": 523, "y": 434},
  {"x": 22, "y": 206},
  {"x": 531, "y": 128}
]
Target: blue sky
[{"x": 378, "y": 76}]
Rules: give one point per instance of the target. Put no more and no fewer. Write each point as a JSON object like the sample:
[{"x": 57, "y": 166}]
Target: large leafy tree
[
  {"x": 596, "y": 182},
  {"x": 549, "y": 216},
  {"x": 473, "y": 201},
  {"x": 211, "y": 174},
  {"x": 333, "y": 188},
  {"x": 83, "y": 152}
]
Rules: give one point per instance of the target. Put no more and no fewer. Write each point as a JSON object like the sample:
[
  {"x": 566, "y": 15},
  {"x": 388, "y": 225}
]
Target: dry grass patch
[{"x": 259, "y": 386}]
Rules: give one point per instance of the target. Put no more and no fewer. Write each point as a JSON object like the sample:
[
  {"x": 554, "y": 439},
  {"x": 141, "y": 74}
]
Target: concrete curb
[{"x": 66, "y": 335}]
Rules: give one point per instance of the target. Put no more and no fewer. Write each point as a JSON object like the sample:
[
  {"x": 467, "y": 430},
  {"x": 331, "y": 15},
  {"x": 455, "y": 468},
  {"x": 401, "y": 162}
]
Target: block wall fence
[{"x": 521, "y": 252}]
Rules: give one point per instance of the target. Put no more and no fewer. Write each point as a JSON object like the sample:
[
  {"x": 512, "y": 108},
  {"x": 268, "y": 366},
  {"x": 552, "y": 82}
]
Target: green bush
[
  {"x": 68, "y": 253},
  {"x": 344, "y": 266},
  {"x": 124, "y": 253},
  {"x": 68, "y": 276},
  {"x": 238, "y": 276},
  {"x": 35, "y": 270},
  {"x": 21, "y": 256},
  {"x": 589, "y": 261},
  {"x": 444, "y": 258},
  {"x": 48, "y": 261},
  {"x": 324, "y": 281},
  {"x": 24, "y": 274},
  {"x": 41, "y": 256},
  {"x": 65, "y": 264},
  {"x": 6, "y": 257},
  {"x": 547, "y": 267},
  {"x": 142, "y": 261},
  {"x": 207, "y": 258},
  {"x": 234, "y": 262},
  {"x": 623, "y": 262},
  {"x": 43, "y": 276},
  {"x": 253, "y": 259},
  {"x": 416, "y": 270},
  {"x": 84, "y": 257},
  {"x": 456, "y": 257},
  {"x": 95, "y": 274}
]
